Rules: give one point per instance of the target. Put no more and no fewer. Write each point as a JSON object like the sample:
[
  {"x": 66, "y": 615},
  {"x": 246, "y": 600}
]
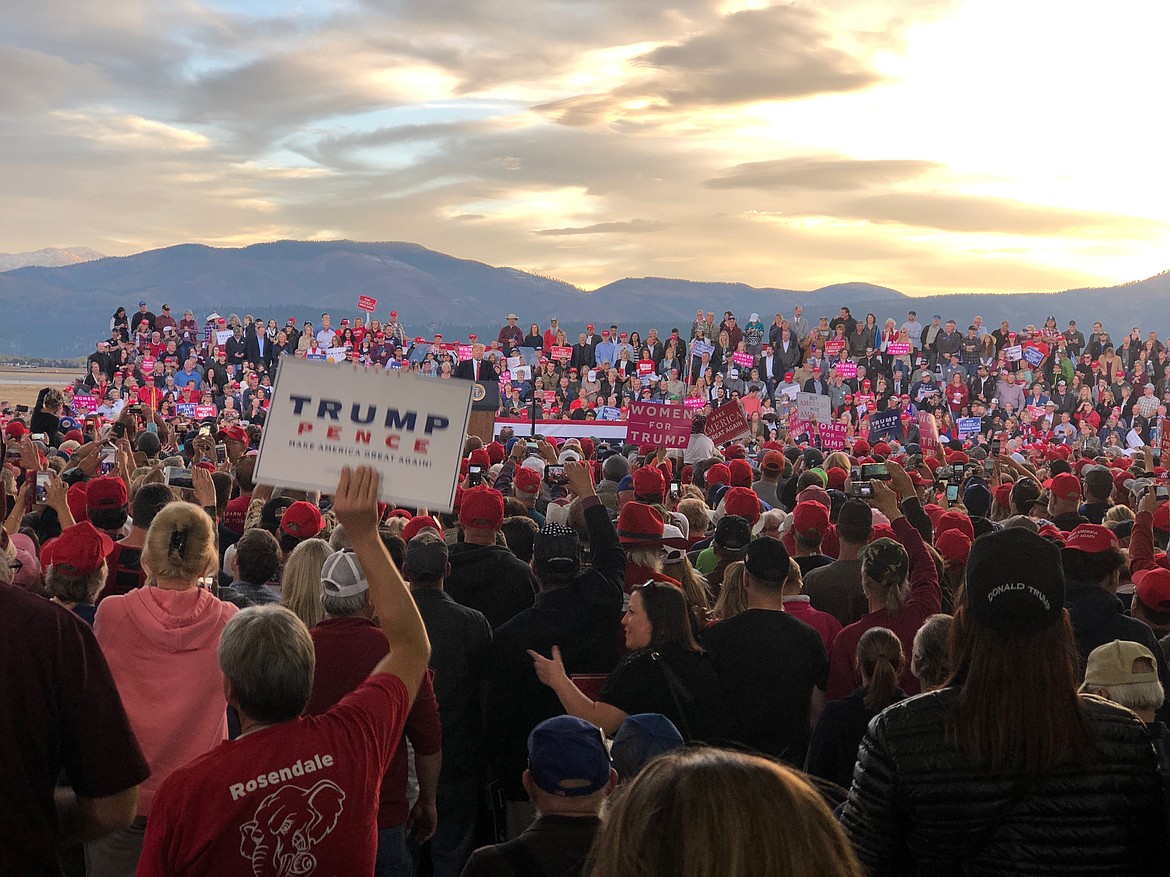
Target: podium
[{"x": 485, "y": 402}]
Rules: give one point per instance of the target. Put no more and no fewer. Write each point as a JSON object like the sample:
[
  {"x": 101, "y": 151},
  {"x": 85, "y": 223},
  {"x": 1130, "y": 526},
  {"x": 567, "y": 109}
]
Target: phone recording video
[
  {"x": 952, "y": 494},
  {"x": 177, "y": 476},
  {"x": 109, "y": 460},
  {"x": 44, "y": 479},
  {"x": 555, "y": 475},
  {"x": 875, "y": 472},
  {"x": 474, "y": 476}
]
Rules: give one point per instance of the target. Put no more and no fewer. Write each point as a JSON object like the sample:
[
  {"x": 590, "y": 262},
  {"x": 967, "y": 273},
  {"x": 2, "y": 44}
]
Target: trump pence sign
[{"x": 324, "y": 417}]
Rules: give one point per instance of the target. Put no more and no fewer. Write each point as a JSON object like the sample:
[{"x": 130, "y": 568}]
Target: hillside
[{"x": 60, "y": 311}]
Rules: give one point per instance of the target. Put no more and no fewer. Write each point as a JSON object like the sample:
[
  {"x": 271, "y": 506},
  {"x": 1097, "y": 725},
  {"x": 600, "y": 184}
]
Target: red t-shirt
[
  {"x": 299, "y": 797},
  {"x": 347, "y": 650}
]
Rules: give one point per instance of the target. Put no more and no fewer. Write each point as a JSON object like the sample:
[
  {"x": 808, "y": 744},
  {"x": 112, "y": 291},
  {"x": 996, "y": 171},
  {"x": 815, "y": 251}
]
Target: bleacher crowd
[{"x": 925, "y": 634}]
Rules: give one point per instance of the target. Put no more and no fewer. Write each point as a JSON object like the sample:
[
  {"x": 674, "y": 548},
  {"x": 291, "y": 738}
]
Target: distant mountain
[
  {"x": 61, "y": 311},
  {"x": 49, "y": 257}
]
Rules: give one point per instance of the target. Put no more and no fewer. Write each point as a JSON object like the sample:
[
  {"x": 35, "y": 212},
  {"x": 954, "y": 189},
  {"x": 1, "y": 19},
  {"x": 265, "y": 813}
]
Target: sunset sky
[{"x": 926, "y": 145}]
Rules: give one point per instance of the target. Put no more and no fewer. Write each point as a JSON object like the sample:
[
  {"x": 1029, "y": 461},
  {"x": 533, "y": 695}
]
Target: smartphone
[
  {"x": 861, "y": 489},
  {"x": 952, "y": 494},
  {"x": 41, "y": 437},
  {"x": 996, "y": 447},
  {"x": 42, "y": 489},
  {"x": 22, "y": 409},
  {"x": 474, "y": 476},
  {"x": 960, "y": 470},
  {"x": 914, "y": 461},
  {"x": 221, "y": 453},
  {"x": 555, "y": 475},
  {"x": 1162, "y": 492},
  {"x": 875, "y": 472},
  {"x": 119, "y": 430},
  {"x": 177, "y": 476},
  {"x": 109, "y": 460},
  {"x": 205, "y": 430}
]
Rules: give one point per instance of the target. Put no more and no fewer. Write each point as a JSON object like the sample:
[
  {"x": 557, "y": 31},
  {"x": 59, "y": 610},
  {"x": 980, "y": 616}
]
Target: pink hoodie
[{"x": 161, "y": 647}]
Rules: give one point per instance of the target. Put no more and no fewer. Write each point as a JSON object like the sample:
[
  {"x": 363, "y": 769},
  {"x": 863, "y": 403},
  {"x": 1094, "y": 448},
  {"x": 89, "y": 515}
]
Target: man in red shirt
[
  {"x": 296, "y": 794},
  {"x": 348, "y": 644}
]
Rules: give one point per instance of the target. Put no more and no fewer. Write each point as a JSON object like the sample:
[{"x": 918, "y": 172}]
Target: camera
[
  {"x": 875, "y": 472},
  {"x": 177, "y": 476},
  {"x": 861, "y": 489},
  {"x": 555, "y": 475}
]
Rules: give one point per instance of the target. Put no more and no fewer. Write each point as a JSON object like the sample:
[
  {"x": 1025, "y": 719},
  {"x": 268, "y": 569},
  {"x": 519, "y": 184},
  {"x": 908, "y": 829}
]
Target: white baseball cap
[{"x": 342, "y": 576}]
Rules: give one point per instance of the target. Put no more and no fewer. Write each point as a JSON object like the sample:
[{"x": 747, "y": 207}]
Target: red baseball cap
[
  {"x": 1152, "y": 587},
  {"x": 482, "y": 508},
  {"x": 954, "y": 546},
  {"x": 78, "y": 551},
  {"x": 106, "y": 492},
  {"x": 718, "y": 474},
  {"x": 639, "y": 525},
  {"x": 480, "y": 457},
  {"x": 590, "y": 327},
  {"x": 1162, "y": 517},
  {"x": 954, "y": 521},
  {"x": 742, "y": 501},
  {"x": 741, "y": 473},
  {"x": 526, "y": 480},
  {"x": 1066, "y": 486},
  {"x": 416, "y": 525},
  {"x": 302, "y": 520},
  {"x": 394, "y": 313},
  {"x": 810, "y": 515},
  {"x": 233, "y": 433},
  {"x": 1091, "y": 539},
  {"x": 649, "y": 482}
]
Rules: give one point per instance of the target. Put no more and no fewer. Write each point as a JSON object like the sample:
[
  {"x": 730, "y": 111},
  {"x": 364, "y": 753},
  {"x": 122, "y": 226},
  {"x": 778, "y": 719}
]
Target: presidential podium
[{"x": 485, "y": 402}]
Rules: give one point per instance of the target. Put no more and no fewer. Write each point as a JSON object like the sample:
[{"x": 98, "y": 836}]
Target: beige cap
[{"x": 1116, "y": 663}]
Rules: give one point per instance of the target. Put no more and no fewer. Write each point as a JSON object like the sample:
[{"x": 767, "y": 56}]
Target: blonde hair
[
  {"x": 300, "y": 582},
  {"x": 694, "y": 583},
  {"x": 837, "y": 460},
  {"x": 695, "y": 511},
  {"x": 1116, "y": 514},
  {"x": 180, "y": 544},
  {"x": 732, "y": 596},
  {"x": 711, "y": 811}
]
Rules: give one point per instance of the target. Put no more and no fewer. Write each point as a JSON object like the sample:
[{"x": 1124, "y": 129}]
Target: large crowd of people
[{"x": 922, "y": 632}]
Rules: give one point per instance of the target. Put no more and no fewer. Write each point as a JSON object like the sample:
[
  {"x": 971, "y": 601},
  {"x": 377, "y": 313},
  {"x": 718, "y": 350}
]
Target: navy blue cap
[{"x": 567, "y": 757}]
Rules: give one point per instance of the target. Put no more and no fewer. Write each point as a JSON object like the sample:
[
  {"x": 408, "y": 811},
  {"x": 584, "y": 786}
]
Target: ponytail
[{"x": 879, "y": 656}]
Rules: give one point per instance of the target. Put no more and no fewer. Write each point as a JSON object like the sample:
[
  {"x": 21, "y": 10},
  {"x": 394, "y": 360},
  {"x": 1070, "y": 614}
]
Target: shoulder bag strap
[{"x": 678, "y": 691}]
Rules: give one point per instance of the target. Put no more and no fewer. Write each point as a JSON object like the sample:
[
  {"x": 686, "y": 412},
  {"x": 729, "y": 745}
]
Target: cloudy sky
[{"x": 927, "y": 145}]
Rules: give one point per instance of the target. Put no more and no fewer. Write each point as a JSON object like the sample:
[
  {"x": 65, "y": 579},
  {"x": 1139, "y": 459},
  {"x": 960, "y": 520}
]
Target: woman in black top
[
  {"x": 120, "y": 325},
  {"x": 832, "y": 751},
  {"x": 666, "y": 672}
]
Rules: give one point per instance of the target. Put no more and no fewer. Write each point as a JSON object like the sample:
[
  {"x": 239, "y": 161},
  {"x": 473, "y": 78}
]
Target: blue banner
[
  {"x": 970, "y": 425},
  {"x": 885, "y": 424}
]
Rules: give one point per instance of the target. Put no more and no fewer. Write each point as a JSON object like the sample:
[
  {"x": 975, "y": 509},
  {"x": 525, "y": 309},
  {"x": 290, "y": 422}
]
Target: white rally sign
[
  {"x": 323, "y": 418},
  {"x": 814, "y": 407}
]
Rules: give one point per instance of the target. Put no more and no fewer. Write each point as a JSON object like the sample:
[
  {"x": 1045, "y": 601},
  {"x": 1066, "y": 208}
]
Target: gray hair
[
  {"x": 343, "y": 607},
  {"x": 1022, "y": 521},
  {"x": 930, "y": 662},
  {"x": 267, "y": 656},
  {"x": 1137, "y": 696},
  {"x": 75, "y": 589},
  {"x": 615, "y": 468},
  {"x": 339, "y": 540}
]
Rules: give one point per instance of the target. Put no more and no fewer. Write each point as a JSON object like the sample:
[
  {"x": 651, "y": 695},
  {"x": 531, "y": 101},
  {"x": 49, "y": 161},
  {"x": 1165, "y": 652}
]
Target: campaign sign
[
  {"x": 1034, "y": 356},
  {"x": 694, "y": 402},
  {"x": 1014, "y": 353},
  {"x": 898, "y": 348},
  {"x": 202, "y": 412},
  {"x": 185, "y": 409},
  {"x": 221, "y": 338},
  {"x": 565, "y": 353},
  {"x": 885, "y": 424},
  {"x": 663, "y": 426},
  {"x": 85, "y": 404},
  {"x": 365, "y": 303},
  {"x": 466, "y": 352},
  {"x": 814, "y": 406},
  {"x": 608, "y": 412},
  {"x": 336, "y": 354},
  {"x": 1164, "y": 442},
  {"x": 799, "y": 428},
  {"x": 927, "y": 431},
  {"x": 835, "y": 346},
  {"x": 834, "y": 436},
  {"x": 1037, "y": 411},
  {"x": 522, "y": 373},
  {"x": 701, "y": 347},
  {"x": 846, "y": 368},
  {"x": 411, "y": 429},
  {"x": 645, "y": 368},
  {"x": 970, "y": 425},
  {"x": 746, "y": 360},
  {"x": 726, "y": 423}
]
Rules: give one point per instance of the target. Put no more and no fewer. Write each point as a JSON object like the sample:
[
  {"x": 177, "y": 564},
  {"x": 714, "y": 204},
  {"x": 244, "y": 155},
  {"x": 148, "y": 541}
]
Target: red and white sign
[
  {"x": 562, "y": 353},
  {"x": 147, "y": 365},
  {"x": 898, "y": 348},
  {"x": 694, "y": 402},
  {"x": 365, "y": 303},
  {"x": 1165, "y": 442},
  {"x": 663, "y": 426},
  {"x": 846, "y": 368},
  {"x": 743, "y": 359},
  {"x": 205, "y": 411},
  {"x": 832, "y": 348},
  {"x": 726, "y": 423},
  {"x": 927, "y": 431},
  {"x": 466, "y": 351},
  {"x": 834, "y": 436},
  {"x": 645, "y": 368}
]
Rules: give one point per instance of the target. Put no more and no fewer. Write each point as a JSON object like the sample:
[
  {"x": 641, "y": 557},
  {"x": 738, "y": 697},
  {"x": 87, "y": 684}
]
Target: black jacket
[
  {"x": 490, "y": 579},
  {"x": 1099, "y": 618},
  {"x": 583, "y": 619},
  {"x": 832, "y": 751},
  {"x": 919, "y": 807}
]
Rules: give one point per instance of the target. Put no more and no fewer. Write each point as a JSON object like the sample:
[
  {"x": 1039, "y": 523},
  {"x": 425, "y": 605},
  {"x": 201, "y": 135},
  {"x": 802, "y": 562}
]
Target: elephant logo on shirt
[{"x": 287, "y": 825}]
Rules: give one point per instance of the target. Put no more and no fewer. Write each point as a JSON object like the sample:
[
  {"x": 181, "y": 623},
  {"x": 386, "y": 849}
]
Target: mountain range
[
  {"x": 49, "y": 257},
  {"x": 61, "y": 311}
]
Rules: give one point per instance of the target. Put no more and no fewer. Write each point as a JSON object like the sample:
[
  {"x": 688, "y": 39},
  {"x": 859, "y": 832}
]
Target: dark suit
[
  {"x": 466, "y": 370},
  {"x": 257, "y": 347},
  {"x": 583, "y": 356}
]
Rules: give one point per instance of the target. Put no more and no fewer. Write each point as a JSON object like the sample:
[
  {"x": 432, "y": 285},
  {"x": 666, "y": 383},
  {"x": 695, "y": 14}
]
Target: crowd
[{"x": 935, "y": 645}]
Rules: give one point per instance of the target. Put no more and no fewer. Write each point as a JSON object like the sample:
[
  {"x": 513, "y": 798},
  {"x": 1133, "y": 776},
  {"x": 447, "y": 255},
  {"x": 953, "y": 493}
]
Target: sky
[{"x": 927, "y": 145}]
